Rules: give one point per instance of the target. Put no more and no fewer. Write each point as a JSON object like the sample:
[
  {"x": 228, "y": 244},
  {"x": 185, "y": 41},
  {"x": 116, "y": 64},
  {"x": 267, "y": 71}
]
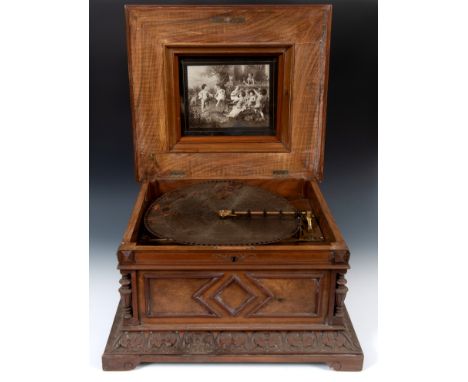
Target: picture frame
[{"x": 230, "y": 131}]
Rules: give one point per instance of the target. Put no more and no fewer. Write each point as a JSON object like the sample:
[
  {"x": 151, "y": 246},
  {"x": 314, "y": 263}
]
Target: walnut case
[{"x": 280, "y": 302}]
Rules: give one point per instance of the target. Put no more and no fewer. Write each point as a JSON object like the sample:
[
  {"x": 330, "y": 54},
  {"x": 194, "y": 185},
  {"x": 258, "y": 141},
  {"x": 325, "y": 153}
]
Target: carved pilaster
[
  {"x": 340, "y": 295},
  {"x": 126, "y": 295}
]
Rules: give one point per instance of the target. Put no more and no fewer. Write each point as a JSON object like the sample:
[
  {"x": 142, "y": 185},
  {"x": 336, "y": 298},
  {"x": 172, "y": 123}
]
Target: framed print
[{"x": 228, "y": 96}]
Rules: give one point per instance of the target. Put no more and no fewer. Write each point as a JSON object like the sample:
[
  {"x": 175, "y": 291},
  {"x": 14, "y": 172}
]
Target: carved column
[
  {"x": 126, "y": 295},
  {"x": 340, "y": 295}
]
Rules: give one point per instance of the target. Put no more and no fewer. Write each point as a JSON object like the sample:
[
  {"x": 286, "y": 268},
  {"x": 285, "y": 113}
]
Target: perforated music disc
[{"x": 190, "y": 215}]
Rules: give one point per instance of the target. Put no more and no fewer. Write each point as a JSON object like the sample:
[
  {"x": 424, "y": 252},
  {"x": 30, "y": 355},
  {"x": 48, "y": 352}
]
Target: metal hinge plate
[{"x": 280, "y": 173}]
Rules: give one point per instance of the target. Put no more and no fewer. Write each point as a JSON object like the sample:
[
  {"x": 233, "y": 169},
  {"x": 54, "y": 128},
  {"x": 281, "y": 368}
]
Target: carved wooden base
[{"x": 126, "y": 349}]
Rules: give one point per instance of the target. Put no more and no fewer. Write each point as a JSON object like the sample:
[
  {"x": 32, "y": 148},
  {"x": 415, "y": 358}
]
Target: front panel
[{"x": 233, "y": 298}]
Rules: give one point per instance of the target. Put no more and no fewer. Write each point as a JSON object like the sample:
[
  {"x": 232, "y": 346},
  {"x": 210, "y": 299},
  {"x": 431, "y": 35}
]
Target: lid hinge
[
  {"x": 280, "y": 173},
  {"x": 176, "y": 174}
]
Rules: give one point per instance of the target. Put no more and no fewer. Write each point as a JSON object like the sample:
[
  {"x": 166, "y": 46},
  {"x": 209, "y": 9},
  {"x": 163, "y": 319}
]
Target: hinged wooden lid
[{"x": 299, "y": 33}]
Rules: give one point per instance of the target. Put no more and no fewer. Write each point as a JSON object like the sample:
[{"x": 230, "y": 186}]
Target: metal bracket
[
  {"x": 280, "y": 173},
  {"x": 177, "y": 174}
]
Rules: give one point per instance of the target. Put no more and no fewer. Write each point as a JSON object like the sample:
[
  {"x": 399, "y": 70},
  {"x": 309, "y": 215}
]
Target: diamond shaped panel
[{"x": 233, "y": 296}]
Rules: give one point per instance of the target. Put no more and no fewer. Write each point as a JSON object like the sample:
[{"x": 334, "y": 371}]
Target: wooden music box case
[{"x": 231, "y": 253}]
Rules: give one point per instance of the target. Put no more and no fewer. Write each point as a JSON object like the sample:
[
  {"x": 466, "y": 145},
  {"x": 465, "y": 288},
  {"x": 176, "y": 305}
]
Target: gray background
[{"x": 350, "y": 184}]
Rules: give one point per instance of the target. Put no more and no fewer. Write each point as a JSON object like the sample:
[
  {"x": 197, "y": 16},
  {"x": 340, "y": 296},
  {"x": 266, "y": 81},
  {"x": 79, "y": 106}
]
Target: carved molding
[
  {"x": 234, "y": 342},
  {"x": 126, "y": 348},
  {"x": 233, "y": 281},
  {"x": 198, "y": 295}
]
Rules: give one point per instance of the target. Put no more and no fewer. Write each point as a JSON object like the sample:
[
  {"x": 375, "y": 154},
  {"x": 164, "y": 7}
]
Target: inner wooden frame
[{"x": 267, "y": 143}]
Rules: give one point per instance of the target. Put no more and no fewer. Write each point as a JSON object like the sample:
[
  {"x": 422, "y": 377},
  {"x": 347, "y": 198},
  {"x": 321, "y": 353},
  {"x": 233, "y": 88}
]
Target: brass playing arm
[{"x": 232, "y": 213}]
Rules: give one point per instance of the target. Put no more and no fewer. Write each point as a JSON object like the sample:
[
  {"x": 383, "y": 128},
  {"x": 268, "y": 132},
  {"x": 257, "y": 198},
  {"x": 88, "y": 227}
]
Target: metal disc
[{"x": 190, "y": 215}]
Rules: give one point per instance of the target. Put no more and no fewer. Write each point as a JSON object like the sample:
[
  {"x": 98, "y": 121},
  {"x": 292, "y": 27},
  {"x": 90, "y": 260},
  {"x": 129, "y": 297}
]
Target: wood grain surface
[{"x": 151, "y": 28}]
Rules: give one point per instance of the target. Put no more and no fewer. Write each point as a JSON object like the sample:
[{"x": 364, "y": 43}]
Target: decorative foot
[
  {"x": 119, "y": 363},
  {"x": 352, "y": 364}
]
